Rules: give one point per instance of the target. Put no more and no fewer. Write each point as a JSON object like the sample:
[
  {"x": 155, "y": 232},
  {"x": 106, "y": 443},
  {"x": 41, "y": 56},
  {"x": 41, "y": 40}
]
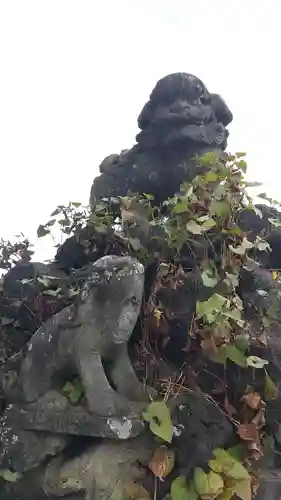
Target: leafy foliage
[
  {"x": 13, "y": 252},
  {"x": 158, "y": 416},
  {"x": 193, "y": 238}
]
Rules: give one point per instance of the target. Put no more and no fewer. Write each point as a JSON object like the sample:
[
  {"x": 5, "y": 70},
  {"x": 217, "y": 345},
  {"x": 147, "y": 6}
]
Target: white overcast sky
[{"x": 74, "y": 76}]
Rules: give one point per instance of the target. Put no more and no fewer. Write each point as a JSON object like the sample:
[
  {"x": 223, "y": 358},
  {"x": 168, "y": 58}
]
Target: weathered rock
[
  {"x": 180, "y": 120},
  {"x": 102, "y": 471},
  {"x": 201, "y": 426}
]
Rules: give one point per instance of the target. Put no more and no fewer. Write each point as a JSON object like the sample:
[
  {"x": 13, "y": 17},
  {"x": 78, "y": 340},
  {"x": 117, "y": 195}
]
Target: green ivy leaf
[
  {"x": 180, "y": 208},
  {"x": 158, "y": 416},
  {"x": 220, "y": 208},
  {"x": 234, "y": 314},
  {"x": 208, "y": 278},
  {"x": 211, "y": 177},
  {"x": 241, "y": 342},
  {"x": 193, "y": 227},
  {"x": 208, "y": 224},
  {"x": 73, "y": 391},
  {"x": 210, "y": 308},
  {"x": 200, "y": 479},
  {"x": 183, "y": 490},
  {"x": 236, "y": 355}
]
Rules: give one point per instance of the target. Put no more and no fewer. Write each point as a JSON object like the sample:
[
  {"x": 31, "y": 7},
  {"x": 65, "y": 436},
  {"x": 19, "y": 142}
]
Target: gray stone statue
[{"x": 76, "y": 341}]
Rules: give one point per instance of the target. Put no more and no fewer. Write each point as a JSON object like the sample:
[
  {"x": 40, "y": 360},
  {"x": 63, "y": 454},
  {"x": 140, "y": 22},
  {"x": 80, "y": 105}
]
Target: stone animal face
[{"x": 115, "y": 289}]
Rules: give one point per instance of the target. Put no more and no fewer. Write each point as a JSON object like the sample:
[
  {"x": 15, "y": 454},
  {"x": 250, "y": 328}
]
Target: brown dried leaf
[
  {"x": 253, "y": 400},
  {"x": 162, "y": 462},
  {"x": 259, "y": 418},
  {"x": 254, "y": 450},
  {"x": 248, "y": 432}
]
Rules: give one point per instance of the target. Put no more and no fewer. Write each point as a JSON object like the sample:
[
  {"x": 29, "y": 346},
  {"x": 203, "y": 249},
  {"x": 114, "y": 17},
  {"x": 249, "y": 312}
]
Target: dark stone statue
[{"x": 182, "y": 119}]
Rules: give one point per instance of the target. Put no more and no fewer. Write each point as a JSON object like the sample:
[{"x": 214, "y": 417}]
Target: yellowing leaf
[
  {"x": 270, "y": 390},
  {"x": 208, "y": 486},
  {"x": 183, "y": 490},
  {"x": 226, "y": 494},
  {"x": 243, "y": 489},
  {"x": 157, "y": 315},
  {"x": 158, "y": 416},
  {"x": 216, "y": 483},
  {"x": 224, "y": 463},
  {"x": 163, "y": 462}
]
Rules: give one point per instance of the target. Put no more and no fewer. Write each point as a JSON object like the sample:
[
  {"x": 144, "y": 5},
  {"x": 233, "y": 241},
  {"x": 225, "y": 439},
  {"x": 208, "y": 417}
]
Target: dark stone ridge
[{"x": 181, "y": 119}]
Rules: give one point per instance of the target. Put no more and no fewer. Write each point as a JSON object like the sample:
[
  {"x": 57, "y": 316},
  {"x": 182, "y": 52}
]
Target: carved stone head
[{"x": 112, "y": 296}]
